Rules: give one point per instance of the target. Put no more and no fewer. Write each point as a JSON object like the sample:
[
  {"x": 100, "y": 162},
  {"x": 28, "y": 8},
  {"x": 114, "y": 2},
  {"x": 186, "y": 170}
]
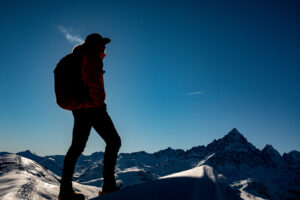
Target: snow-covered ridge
[
  {"x": 197, "y": 183},
  {"x": 24, "y": 179}
]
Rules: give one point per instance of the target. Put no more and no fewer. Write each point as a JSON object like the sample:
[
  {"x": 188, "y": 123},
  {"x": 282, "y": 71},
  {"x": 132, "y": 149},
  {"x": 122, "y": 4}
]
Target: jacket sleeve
[{"x": 92, "y": 76}]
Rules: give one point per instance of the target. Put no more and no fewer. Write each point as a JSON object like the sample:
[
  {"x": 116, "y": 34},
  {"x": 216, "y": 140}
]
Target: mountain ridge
[
  {"x": 233, "y": 156},
  {"x": 234, "y": 133}
]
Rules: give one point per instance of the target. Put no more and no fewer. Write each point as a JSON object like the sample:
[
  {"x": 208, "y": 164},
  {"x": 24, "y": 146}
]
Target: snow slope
[
  {"x": 24, "y": 179},
  {"x": 194, "y": 184}
]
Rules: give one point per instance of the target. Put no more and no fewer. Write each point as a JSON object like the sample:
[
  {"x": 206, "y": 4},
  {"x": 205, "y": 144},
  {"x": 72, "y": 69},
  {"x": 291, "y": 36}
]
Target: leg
[
  {"x": 81, "y": 131},
  {"x": 104, "y": 126}
]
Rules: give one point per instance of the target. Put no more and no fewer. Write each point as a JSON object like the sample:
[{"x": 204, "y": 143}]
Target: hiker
[{"x": 91, "y": 112}]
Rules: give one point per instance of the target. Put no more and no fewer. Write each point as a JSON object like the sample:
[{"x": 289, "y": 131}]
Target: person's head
[{"x": 97, "y": 43}]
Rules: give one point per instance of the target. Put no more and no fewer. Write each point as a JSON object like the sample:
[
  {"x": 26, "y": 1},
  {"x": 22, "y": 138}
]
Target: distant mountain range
[{"x": 260, "y": 174}]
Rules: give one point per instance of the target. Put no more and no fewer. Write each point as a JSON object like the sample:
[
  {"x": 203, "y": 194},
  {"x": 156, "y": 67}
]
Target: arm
[{"x": 92, "y": 75}]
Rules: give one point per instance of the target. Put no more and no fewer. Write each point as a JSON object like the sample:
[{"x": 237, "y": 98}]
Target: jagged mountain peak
[
  {"x": 170, "y": 151},
  {"x": 294, "y": 153},
  {"x": 233, "y": 135},
  {"x": 27, "y": 152},
  {"x": 270, "y": 150},
  {"x": 233, "y": 141},
  {"x": 271, "y": 156},
  {"x": 30, "y": 155},
  {"x": 293, "y": 158}
]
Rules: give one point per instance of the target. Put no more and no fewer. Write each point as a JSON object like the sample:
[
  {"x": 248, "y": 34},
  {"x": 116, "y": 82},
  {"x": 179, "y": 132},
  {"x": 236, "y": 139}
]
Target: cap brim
[{"x": 106, "y": 40}]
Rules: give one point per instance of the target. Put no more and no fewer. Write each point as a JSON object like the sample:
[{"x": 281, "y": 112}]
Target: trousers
[{"x": 84, "y": 120}]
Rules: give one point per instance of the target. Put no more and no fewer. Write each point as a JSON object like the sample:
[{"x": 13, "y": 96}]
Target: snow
[
  {"x": 204, "y": 160},
  {"x": 24, "y": 179},
  {"x": 197, "y": 183},
  {"x": 243, "y": 184},
  {"x": 132, "y": 169}
]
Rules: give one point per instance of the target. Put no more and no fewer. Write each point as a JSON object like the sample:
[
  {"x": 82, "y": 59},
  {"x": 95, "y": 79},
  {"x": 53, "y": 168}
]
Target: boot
[
  {"x": 71, "y": 196},
  {"x": 106, "y": 190}
]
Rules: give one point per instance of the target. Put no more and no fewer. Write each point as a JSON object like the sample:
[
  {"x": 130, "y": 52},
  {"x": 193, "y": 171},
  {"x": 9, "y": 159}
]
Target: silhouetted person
[{"x": 91, "y": 113}]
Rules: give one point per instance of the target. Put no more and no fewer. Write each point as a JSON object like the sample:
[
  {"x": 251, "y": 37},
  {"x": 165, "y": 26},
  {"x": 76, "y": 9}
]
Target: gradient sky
[{"x": 179, "y": 73}]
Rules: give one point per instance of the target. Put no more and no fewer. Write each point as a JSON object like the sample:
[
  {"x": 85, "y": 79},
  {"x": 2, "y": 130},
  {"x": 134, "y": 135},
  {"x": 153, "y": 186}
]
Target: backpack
[{"x": 69, "y": 88}]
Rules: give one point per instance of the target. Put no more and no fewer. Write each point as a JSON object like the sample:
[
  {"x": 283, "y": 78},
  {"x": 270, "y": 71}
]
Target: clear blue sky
[{"x": 179, "y": 73}]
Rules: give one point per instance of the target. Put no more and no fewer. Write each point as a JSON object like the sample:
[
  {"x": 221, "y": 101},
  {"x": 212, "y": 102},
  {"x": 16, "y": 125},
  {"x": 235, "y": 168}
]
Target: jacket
[{"x": 92, "y": 77}]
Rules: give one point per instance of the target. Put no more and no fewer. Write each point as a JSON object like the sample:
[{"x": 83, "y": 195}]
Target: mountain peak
[
  {"x": 270, "y": 151},
  {"x": 271, "y": 156},
  {"x": 233, "y": 141},
  {"x": 234, "y": 130},
  {"x": 269, "y": 148},
  {"x": 27, "y": 152},
  {"x": 234, "y": 134},
  {"x": 30, "y": 155}
]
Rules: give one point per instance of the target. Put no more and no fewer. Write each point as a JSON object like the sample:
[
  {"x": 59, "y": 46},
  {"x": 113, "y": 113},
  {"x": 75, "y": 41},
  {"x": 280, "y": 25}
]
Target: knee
[
  {"x": 76, "y": 149},
  {"x": 118, "y": 142},
  {"x": 114, "y": 143}
]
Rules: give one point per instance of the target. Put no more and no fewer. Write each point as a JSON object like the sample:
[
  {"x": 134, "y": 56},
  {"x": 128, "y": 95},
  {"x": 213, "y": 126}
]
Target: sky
[{"x": 179, "y": 73}]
